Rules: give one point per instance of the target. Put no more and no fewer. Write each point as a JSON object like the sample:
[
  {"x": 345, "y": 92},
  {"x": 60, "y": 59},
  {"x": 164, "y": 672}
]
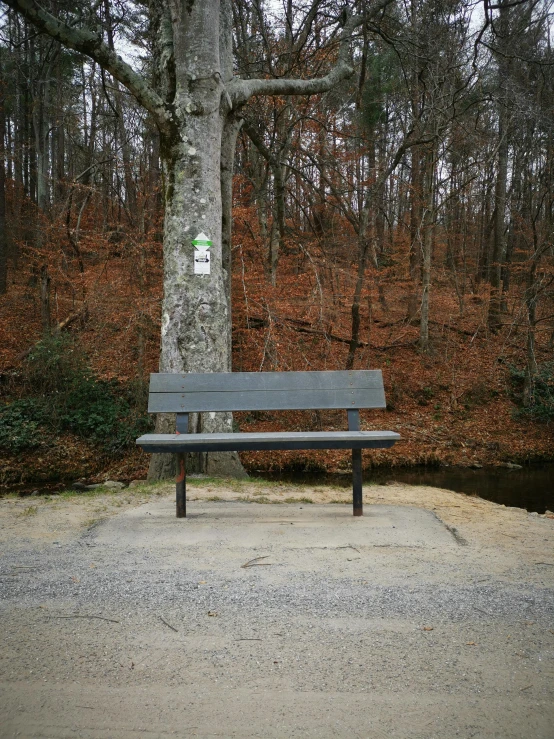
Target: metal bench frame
[{"x": 252, "y": 391}]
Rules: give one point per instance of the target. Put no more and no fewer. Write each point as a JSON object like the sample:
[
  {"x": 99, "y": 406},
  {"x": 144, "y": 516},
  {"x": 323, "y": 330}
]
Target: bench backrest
[{"x": 251, "y": 391}]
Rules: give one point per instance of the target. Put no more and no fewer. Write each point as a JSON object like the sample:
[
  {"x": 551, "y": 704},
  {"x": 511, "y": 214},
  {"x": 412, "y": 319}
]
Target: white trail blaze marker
[{"x": 202, "y": 254}]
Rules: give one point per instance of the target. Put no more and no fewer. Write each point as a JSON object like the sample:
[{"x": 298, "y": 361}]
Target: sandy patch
[{"x": 493, "y": 526}]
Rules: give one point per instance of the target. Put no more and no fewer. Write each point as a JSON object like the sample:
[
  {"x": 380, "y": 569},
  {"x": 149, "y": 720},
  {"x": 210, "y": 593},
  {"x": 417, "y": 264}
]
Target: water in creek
[{"x": 531, "y": 487}]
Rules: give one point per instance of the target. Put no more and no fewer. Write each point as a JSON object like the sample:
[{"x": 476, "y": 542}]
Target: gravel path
[{"x": 429, "y": 620}]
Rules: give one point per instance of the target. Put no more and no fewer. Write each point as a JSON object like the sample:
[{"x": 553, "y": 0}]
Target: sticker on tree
[{"x": 202, "y": 254}]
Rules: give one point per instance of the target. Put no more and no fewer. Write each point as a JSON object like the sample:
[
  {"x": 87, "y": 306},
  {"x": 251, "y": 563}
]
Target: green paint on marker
[{"x": 201, "y": 241}]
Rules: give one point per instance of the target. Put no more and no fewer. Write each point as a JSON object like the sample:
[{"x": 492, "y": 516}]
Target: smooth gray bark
[{"x": 196, "y": 318}]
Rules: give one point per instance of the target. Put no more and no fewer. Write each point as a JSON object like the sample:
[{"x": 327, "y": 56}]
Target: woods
[{"x": 375, "y": 178}]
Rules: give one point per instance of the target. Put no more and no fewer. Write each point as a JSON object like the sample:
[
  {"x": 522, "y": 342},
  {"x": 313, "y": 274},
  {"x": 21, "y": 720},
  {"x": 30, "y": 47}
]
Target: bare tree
[{"x": 195, "y": 106}]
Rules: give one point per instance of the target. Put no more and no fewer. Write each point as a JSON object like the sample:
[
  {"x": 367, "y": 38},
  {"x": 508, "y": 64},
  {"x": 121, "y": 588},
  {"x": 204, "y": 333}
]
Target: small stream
[{"x": 531, "y": 487}]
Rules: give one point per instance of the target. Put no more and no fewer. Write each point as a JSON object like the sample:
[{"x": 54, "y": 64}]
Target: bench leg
[
  {"x": 357, "y": 482},
  {"x": 181, "y": 485}
]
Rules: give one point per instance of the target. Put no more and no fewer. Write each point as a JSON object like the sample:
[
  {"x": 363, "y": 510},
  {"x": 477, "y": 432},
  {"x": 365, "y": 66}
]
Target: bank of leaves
[{"x": 58, "y": 392}]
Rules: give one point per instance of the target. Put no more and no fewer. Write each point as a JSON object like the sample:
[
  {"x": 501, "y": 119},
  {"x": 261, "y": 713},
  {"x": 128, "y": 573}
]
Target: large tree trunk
[
  {"x": 196, "y": 316},
  {"x": 499, "y": 243},
  {"x": 3, "y": 234}
]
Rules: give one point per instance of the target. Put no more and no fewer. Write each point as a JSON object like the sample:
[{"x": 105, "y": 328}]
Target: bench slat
[
  {"x": 266, "y": 400},
  {"x": 273, "y": 381},
  {"x": 172, "y": 443}
]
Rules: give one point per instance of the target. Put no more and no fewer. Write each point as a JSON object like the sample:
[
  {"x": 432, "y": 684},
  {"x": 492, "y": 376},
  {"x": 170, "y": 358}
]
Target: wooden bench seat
[
  {"x": 274, "y": 440},
  {"x": 267, "y": 391}
]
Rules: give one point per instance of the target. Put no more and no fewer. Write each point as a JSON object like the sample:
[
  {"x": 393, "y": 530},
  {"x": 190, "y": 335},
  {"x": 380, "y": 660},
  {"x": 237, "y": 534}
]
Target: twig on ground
[
  {"x": 256, "y": 563},
  {"x": 102, "y": 618},
  {"x": 170, "y": 626}
]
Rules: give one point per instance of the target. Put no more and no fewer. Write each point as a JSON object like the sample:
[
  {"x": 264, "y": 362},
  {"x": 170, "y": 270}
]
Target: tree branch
[
  {"x": 242, "y": 90},
  {"x": 91, "y": 44},
  {"x": 257, "y": 140}
]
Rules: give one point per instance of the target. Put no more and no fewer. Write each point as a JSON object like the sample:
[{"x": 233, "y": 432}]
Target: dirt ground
[
  {"x": 64, "y": 518},
  {"x": 433, "y": 616}
]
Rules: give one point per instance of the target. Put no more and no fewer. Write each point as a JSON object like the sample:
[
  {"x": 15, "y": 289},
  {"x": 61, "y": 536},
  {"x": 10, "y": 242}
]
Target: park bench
[{"x": 266, "y": 391}]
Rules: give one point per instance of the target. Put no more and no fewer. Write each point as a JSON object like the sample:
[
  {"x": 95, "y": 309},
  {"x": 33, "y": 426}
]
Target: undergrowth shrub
[
  {"x": 54, "y": 364},
  {"x": 61, "y": 393},
  {"x": 19, "y": 427},
  {"x": 541, "y": 402}
]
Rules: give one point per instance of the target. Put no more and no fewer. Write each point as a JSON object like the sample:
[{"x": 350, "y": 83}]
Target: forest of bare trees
[{"x": 400, "y": 214}]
